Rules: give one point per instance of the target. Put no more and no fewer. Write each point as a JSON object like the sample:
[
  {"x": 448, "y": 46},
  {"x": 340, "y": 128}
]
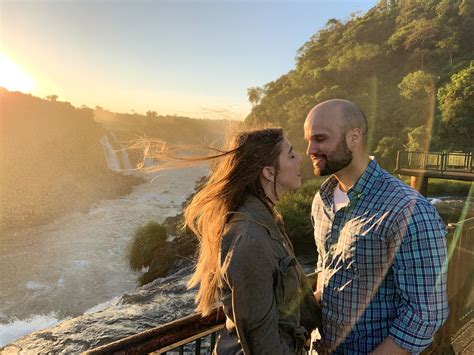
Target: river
[{"x": 77, "y": 263}]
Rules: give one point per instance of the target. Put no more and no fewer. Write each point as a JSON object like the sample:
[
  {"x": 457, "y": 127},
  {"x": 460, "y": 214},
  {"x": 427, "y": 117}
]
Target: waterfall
[{"x": 115, "y": 162}]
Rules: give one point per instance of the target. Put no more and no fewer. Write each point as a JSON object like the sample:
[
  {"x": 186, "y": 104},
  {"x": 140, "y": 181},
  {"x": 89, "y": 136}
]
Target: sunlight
[{"x": 12, "y": 77}]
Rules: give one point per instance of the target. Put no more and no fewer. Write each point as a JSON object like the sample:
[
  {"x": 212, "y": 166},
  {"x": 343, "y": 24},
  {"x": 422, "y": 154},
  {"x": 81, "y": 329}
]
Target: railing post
[
  {"x": 425, "y": 160},
  {"x": 397, "y": 166}
]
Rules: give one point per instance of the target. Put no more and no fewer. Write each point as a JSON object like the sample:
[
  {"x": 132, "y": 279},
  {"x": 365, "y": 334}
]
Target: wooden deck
[
  {"x": 428, "y": 173},
  {"x": 453, "y": 166}
]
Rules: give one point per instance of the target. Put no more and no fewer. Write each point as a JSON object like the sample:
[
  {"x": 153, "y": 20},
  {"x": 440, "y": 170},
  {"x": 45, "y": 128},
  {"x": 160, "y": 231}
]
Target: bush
[
  {"x": 296, "y": 211},
  {"x": 149, "y": 249}
]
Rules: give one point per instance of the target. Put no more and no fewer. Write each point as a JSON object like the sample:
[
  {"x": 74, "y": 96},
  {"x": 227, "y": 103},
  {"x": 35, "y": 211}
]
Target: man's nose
[{"x": 311, "y": 149}]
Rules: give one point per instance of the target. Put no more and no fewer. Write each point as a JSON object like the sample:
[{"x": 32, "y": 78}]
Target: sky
[{"x": 191, "y": 58}]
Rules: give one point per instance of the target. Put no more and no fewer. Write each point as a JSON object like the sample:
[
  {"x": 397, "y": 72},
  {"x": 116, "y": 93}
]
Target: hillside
[{"x": 407, "y": 64}]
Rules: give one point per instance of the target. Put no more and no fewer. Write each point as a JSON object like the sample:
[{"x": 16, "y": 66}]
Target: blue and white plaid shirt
[{"x": 383, "y": 260}]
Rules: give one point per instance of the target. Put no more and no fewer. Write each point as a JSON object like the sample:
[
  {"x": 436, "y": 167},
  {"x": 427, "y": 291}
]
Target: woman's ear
[{"x": 268, "y": 173}]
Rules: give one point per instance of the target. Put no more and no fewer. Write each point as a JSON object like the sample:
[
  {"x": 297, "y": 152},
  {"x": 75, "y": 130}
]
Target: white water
[{"x": 77, "y": 263}]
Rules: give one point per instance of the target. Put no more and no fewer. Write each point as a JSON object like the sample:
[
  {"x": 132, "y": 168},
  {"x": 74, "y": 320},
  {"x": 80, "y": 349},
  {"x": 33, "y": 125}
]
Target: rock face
[{"x": 158, "y": 302}]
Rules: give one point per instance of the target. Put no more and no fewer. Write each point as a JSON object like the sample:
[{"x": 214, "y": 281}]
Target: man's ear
[
  {"x": 268, "y": 173},
  {"x": 354, "y": 137}
]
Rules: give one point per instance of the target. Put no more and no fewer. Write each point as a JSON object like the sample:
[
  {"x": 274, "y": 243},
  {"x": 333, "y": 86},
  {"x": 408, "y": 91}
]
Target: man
[{"x": 382, "y": 248}]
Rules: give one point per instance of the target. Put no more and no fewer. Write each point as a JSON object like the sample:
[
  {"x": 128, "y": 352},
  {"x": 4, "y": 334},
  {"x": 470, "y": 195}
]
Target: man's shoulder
[
  {"x": 404, "y": 200},
  {"x": 391, "y": 188}
]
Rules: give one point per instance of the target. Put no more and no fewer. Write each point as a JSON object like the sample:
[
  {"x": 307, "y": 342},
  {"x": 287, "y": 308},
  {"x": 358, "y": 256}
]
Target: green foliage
[
  {"x": 386, "y": 151},
  {"x": 296, "y": 211},
  {"x": 51, "y": 161},
  {"x": 147, "y": 241},
  {"x": 417, "y": 139},
  {"x": 149, "y": 249},
  {"x": 457, "y": 108},
  {"x": 418, "y": 85},
  {"x": 437, "y": 187},
  {"x": 390, "y": 61}
]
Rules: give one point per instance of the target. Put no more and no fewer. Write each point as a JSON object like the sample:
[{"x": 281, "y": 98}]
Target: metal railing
[
  {"x": 456, "y": 162},
  {"x": 192, "y": 334},
  {"x": 170, "y": 336}
]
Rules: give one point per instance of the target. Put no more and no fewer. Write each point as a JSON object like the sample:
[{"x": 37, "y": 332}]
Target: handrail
[
  {"x": 435, "y": 161},
  {"x": 163, "y": 336},
  {"x": 171, "y": 335}
]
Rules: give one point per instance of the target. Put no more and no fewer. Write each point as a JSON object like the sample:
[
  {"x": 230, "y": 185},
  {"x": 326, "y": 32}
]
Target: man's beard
[{"x": 339, "y": 159}]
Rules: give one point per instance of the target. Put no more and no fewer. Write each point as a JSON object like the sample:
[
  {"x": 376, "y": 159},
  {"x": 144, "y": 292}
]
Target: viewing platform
[{"x": 424, "y": 165}]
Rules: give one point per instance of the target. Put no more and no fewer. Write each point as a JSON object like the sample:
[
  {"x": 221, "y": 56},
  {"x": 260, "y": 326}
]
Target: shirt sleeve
[
  {"x": 249, "y": 271},
  {"x": 419, "y": 267}
]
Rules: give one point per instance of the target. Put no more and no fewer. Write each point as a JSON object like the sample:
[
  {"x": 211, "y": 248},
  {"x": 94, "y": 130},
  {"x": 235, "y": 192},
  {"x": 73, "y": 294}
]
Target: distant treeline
[
  {"x": 52, "y": 160},
  {"x": 407, "y": 64},
  {"x": 172, "y": 129}
]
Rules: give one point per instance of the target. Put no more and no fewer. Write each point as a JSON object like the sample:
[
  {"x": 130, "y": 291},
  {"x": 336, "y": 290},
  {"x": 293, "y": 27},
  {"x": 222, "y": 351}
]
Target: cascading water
[{"x": 113, "y": 162}]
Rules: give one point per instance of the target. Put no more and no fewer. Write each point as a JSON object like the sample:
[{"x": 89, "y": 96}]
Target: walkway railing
[
  {"x": 456, "y": 162},
  {"x": 192, "y": 334},
  {"x": 194, "y": 331}
]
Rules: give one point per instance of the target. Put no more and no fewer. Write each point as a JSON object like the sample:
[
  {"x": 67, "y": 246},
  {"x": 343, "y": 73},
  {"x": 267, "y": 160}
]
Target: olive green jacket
[{"x": 269, "y": 305}]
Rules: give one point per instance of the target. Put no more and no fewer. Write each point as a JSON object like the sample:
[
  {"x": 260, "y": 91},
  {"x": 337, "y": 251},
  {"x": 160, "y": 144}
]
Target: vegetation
[
  {"x": 172, "y": 129},
  {"x": 407, "y": 64},
  {"x": 295, "y": 209},
  {"x": 150, "y": 250},
  {"x": 51, "y": 161}
]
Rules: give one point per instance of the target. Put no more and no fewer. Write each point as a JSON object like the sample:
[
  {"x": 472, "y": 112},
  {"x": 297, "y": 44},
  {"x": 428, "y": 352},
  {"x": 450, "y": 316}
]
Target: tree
[
  {"x": 456, "y": 100},
  {"x": 255, "y": 95},
  {"x": 52, "y": 98},
  {"x": 419, "y": 89},
  {"x": 151, "y": 114},
  {"x": 386, "y": 151}
]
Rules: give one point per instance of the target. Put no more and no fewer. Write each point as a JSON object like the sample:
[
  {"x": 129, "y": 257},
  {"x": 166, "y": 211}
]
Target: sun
[{"x": 13, "y": 78}]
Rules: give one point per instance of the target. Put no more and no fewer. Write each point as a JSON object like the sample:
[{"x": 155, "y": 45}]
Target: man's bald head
[{"x": 350, "y": 115}]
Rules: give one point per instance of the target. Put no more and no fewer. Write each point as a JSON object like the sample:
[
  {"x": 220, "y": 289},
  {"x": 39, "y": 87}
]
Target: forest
[
  {"x": 52, "y": 160},
  {"x": 407, "y": 64}
]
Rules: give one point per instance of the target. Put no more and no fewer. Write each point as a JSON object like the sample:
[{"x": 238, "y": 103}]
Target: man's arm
[
  {"x": 419, "y": 268},
  {"x": 388, "y": 346}
]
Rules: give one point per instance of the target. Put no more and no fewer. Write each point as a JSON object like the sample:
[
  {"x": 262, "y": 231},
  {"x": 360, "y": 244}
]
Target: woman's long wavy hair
[{"x": 232, "y": 179}]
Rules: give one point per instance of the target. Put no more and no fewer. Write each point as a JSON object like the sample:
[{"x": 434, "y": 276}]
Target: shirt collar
[{"x": 361, "y": 187}]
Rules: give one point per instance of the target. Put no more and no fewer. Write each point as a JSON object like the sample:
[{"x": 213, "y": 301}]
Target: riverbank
[{"x": 28, "y": 207}]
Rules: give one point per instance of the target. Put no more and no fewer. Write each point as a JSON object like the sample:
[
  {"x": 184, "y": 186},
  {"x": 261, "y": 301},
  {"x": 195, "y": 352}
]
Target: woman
[{"x": 245, "y": 259}]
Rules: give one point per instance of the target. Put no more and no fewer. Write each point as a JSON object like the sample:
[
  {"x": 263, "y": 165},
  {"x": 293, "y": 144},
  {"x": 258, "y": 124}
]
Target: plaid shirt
[{"x": 383, "y": 261}]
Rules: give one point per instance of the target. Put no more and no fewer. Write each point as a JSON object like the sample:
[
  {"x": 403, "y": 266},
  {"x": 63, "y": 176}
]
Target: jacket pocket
[{"x": 287, "y": 284}]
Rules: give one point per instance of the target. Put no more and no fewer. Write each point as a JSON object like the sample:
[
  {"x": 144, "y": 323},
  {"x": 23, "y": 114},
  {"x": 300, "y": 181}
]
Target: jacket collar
[{"x": 254, "y": 210}]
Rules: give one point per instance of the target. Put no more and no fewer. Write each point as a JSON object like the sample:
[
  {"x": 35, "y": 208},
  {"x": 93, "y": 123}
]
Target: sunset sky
[{"x": 191, "y": 58}]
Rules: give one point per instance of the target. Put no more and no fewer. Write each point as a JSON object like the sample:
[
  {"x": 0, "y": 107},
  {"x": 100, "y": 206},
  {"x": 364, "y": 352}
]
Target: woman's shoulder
[{"x": 244, "y": 232}]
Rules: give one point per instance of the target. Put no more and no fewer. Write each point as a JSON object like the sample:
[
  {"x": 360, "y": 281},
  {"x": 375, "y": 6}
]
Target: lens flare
[{"x": 12, "y": 77}]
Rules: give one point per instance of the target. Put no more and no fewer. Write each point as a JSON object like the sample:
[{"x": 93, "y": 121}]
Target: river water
[{"x": 64, "y": 268}]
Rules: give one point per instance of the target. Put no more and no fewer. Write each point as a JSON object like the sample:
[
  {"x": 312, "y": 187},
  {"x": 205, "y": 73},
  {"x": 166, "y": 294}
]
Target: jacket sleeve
[
  {"x": 249, "y": 270},
  {"x": 419, "y": 267}
]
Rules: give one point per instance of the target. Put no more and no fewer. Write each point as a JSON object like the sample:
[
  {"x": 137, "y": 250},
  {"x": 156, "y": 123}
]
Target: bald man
[{"x": 382, "y": 246}]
